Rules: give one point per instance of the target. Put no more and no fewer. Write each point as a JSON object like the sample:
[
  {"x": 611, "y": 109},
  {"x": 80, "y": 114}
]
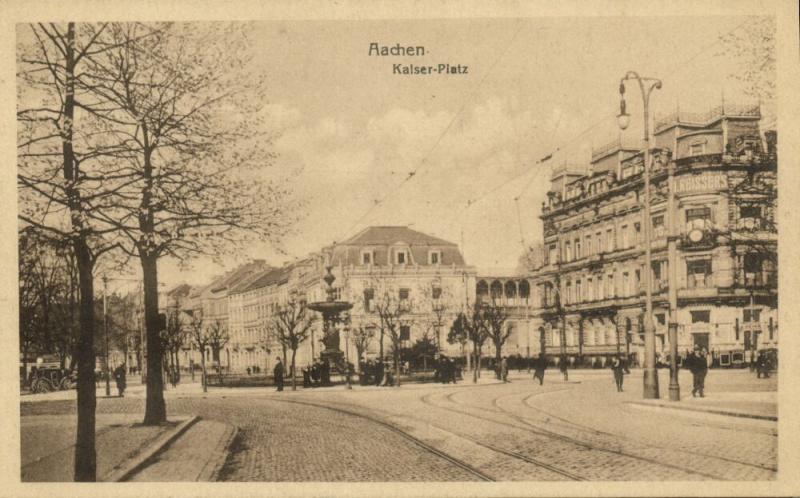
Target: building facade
[{"x": 714, "y": 177}]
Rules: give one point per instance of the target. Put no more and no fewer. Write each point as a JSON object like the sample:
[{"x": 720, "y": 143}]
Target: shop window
[{"x": 702, "y": 213}]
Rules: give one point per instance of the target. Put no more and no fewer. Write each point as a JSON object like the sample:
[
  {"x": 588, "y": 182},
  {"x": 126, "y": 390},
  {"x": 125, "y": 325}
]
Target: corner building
[{"x": 589, "y": 290}]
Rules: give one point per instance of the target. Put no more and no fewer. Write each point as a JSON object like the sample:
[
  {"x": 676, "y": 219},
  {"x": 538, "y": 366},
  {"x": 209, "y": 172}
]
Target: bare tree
[
  {"x": 495, "y": 317},
  {"x": 200, "y": 338},
  {"x": 189, "y": 166},
  {"x": 362, "y": 336},
  {"x": 56, "y": 157},
  {"x": 471, "y": 326},
  {"x": 176, "y": 335},
  {"x": 292, "y": 323},
  {"x": 394, "y": 311}
]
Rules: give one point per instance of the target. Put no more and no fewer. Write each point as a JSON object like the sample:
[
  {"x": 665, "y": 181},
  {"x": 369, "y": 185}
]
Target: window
[
  {"x": 366, "y": 258},
  {"x": 703, "y": 213},
  {"x": 437, "y": 292},
  {"x": 405, "y": 333},
  {"x": 552, "y": 257},
  {"x": 578, "y": 291},
  {"x": 568, "y": 294},
  {"x": 656, "y": 265},
  {"x": 698, "y": 273},
  {"x": 701, "y": 316},
  {"x": 697, "y": 149},
  {"x": 578, "y": 248},
  {"x": 750, "y": 212},
  {"x": 610, "y": 240},
  {"x": 661, "y": 319},
  {"x": 599, "y": 292},
  {"x": 567, "y": 251},
  {"x": 369, "y": 295},
  {"x": 659, "y": 230},
  {"x": 404, "y": 294},
  {"x": 610, "y": 285},
  {"x": 401, "y": 257},
  {"x": 624, "y": 234},
  {"x": 598, "y": 237},
  {"x": 752, "y": 315},
  {"x": 637, "y": 282},
  {"x": 638, "y": 228},
  {"x": 625, "y": 283},
  {"x": 589, "y": 290},
  {"x": 589, "y": 247},
  {"x": 435, "y": 257}
]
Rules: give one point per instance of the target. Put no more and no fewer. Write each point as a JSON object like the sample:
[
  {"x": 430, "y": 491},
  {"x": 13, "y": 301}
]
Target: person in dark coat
[
  {"x": 619, "y": 368},
  {"x": 306, "y": 377},
  {"x": 699, "y": 367},
  {"x": 762, "y": 366},
  {"x": 315, "y": 374},
  {"x": 119, "y": 378},
  {"x": 540, "y": 367},
  {"x": 278, "y": 373},
  {"x": 504, "y": 369}
]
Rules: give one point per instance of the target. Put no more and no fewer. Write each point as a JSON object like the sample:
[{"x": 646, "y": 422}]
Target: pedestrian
[
  {"x": 619, "y": 368},
  {"x": 504, "y": 369},
  {"x": 278, "y": 372},
  {"x": 540, "y": 367},
  {"x": 248, "y": 370},
  {"x": 562, "y": 365},
  {"x": 306, "y": 377},
  {"x": 119, "y": 377},
  {"x": 699, "y": 369},
  {"x": 378, "y": 372}
]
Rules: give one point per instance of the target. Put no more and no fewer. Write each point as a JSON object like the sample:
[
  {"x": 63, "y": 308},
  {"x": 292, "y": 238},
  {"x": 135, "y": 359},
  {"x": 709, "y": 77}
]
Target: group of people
[
  {"x": 446, "y": 370},
  {"x": 375, "y": 372},
  {"x": 255, "y": 369},
  {"x": 764, "y": 364},
  {"x": 317, "y": 374}
]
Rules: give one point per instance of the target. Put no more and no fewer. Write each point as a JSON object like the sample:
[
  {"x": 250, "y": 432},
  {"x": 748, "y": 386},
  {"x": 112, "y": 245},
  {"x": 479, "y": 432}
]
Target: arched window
[
  {"x": 496, "y": 289},
  {"x": 482, "y": 288},
  {"x": 511, "y": 289},
  {"x": 524, "y": 289}
]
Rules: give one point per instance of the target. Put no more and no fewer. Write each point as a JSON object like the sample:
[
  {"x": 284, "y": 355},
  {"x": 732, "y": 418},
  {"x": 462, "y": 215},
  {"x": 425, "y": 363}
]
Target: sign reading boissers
[{"x": 706, "y": 182}]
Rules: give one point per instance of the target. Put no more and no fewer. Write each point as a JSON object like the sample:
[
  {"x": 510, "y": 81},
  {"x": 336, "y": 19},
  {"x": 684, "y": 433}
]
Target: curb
[
  {"x": 129, "y": 468},
  {"x": 210, "y": 473},
  {"x": 727, "y": 413}
]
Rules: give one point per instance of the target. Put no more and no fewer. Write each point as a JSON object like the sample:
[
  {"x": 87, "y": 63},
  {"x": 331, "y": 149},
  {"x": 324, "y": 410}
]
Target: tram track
[
  {"x": 592, "y": 430},
  {"x": 531, "y": 428}
]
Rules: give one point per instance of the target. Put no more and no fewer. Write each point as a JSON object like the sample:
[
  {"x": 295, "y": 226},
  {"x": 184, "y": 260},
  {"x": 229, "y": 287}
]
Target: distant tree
[
  {"x": 362, "y": 336},
  {"x": 394, "y": 311},
  {"x": 176, "y": 335},
  {"x": 292, "y": 323},
  {"x": 495, "y": 317},
  {"x": 471, "y": 326},
  {"x": 201, "y": 339}
]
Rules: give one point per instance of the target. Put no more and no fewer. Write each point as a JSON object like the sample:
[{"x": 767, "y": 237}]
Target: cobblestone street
[{"x": 577, "y": 430}]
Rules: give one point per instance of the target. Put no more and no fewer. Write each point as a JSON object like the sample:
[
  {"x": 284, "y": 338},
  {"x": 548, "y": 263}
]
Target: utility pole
[
  {"x": 672, "y": 282},
  {"x": 105, "y": 331}
]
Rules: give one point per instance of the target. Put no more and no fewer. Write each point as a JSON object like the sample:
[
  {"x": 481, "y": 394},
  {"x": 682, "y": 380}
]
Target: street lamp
[{"x": 646, "y": 85}]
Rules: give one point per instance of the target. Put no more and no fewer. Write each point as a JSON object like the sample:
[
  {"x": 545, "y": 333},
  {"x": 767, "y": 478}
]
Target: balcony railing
[{"x": 701, "y": 118}]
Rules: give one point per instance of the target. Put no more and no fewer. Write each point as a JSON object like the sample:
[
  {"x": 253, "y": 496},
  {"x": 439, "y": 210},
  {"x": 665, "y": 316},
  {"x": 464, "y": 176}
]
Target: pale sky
[{"x": 533, "y": 87}]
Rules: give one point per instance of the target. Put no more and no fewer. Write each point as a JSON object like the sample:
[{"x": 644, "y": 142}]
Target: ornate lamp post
[{"x": 646, "y": 85}]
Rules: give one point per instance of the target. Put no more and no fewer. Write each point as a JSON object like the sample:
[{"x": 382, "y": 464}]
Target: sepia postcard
[{"x": 400, "y": 249}]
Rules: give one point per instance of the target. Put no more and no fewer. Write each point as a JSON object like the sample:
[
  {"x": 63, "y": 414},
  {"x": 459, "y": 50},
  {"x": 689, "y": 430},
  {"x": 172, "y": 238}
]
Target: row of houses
[{"x": 713, "y": 176}]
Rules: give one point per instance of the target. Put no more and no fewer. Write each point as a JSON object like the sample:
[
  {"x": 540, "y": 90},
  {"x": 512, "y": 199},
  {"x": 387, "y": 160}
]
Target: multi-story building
[
  {"x": 589, "y": 293},
  {"x": 397, "y": 263}
]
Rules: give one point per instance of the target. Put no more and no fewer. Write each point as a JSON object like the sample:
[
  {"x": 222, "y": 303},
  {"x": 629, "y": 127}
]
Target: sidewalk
[
  {"x": 48, "y": 444},
  {"x": 732, "y": 393}
]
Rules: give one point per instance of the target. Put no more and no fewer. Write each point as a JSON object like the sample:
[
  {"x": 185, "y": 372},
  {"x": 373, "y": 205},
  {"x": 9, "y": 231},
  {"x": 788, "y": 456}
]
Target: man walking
[
  {"x": 699, "y": 369},
  {"x": 540, "y": 367},
  {"x": 504, "y": 369},
  {"x": 278, "y": 373},
  {"x": 619, "y": 368},
  {"x": 119, "y": 378}
]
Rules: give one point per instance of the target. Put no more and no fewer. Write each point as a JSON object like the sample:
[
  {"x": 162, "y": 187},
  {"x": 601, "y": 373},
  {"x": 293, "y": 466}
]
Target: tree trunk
[
  {"x": 203, "y": 369},
  {"x": 85, "y": 454},
  {"x": 498, "y": 358},
  {"x": 396, "y": 363},
  {"x": 294, "y": 381},
  {"x": 381, "y": 346},
  {"x": 155, "y": 411}
]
